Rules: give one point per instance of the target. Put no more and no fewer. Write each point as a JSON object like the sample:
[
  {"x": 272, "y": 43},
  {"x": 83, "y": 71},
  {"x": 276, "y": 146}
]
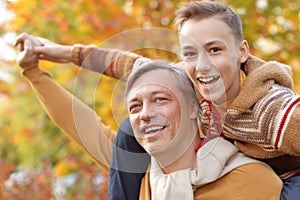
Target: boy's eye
[{"x": 214, "y": 50}]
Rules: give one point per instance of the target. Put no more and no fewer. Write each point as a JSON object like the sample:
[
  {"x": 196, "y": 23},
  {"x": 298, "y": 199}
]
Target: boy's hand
[
  {"x": 53, "y": 52},
  {"x": 46, "y": 49}
]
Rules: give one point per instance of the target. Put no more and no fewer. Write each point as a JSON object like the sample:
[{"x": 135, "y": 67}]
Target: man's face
[
  {"x": 156, "y": 110},
  {"x": 211, "y": 48}
]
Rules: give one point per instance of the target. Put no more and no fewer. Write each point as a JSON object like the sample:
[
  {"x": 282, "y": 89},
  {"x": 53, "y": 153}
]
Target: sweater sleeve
[
  {"x": 273, "y": 124},
  {"x": 288, "y": 137},
  {"x": 111, "y": 62},
  {"x": 73, "y": 117}
]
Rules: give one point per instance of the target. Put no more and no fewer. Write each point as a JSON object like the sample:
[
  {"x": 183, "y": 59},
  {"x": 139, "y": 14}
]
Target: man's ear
[
  {"x": 244, "y": 51},
  {"x": 194, "y": 109}
]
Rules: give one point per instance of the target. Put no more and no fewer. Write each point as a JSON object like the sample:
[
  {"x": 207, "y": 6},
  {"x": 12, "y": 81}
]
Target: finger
[
  {"x": 17, "y": 42},
  {"x": 35, "y": 41},
  {"x": 28, "y": 48},
  {"x": 26, "y": 51},
  {"x": 20, "y": 38},
  {"x": 20, "y": 43},
  {"x": 24, "y": 36}
]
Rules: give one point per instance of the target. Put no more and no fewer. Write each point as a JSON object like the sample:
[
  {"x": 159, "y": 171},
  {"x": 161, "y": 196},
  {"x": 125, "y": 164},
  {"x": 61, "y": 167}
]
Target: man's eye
[
  {"x": 134, "y": 107},
  {"x": 189, "y": 54},
  {"x": 160, "y": 99}
]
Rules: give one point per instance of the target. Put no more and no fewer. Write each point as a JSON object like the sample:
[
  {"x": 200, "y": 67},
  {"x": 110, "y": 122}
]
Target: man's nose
[{"x": 147, "y": 112}]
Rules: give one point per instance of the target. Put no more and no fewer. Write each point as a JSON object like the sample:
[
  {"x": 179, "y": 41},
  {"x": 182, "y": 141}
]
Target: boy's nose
[{"x": 203, "y": 62}]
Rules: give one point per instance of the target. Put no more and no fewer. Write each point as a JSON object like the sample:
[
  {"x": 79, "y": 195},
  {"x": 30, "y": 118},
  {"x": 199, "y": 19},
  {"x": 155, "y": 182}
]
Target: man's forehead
[
  {"x": 163, "y": 80},
  {"x": 152, "y": 88},
  {"x": 157, "y": 76}
]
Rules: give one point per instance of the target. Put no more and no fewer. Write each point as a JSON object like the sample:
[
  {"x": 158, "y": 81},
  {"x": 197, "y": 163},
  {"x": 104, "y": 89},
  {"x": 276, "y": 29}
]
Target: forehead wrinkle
[
  {"x": 187, "y": 47},
  {"x": 162, "y": 90}
]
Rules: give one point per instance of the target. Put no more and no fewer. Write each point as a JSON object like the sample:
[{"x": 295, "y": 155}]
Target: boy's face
[{"x": 215, "y": 55}]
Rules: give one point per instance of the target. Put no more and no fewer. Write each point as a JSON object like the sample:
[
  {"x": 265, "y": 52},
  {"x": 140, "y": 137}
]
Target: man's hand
[{"x": 26, "y": 58}]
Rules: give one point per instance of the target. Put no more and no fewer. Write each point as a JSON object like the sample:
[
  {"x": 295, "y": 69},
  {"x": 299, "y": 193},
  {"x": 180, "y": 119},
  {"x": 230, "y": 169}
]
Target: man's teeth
[
  {"x": 207, "y": 80},
  {"x": 153, "y": 129}
]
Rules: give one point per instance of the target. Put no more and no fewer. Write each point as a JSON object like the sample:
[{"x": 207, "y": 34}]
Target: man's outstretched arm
[{"x": 70, "y": 114}]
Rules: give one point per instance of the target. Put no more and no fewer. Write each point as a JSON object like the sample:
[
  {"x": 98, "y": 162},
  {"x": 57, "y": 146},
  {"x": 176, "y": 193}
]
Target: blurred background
[{"x": 37, "y": 160}]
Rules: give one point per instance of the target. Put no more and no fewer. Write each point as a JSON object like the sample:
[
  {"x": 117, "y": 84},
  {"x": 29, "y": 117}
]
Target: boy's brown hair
[{"x": 197, "y": 10}]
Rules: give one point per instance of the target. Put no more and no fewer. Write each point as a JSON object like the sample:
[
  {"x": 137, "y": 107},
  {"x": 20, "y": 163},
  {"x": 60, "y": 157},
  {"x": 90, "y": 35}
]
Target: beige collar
[{"x": 215, "y": 159}]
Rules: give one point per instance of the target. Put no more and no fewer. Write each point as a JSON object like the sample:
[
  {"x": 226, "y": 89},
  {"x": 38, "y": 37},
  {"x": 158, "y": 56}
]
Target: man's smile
[{"x": 154, "y": 129}]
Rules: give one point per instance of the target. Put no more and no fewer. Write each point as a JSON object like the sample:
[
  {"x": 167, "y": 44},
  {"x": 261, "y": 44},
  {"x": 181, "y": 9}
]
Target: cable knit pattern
[
  {"x": 264, "y": 116},
  {"x": 265, "y": 123},
  {"x": 259, "y": 81}
]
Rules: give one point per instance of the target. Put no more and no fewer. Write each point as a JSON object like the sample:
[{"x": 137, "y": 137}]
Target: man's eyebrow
[
  {"x": 132, "y": 99},
  {"x": 187, "y": 47},
  {"x": 151, "y": 93}
]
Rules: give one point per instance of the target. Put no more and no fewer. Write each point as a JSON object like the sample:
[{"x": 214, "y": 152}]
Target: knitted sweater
[
  {"x": 262, "y": 120},
  {"x": 83, "y": 126}
]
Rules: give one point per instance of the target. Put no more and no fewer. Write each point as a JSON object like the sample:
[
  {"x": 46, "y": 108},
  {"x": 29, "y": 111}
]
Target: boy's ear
[{"x": 244, "y": 51}]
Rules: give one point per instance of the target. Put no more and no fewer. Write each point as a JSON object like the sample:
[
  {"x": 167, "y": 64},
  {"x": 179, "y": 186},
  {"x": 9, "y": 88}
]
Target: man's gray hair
[{"x": 183, "y": 81}]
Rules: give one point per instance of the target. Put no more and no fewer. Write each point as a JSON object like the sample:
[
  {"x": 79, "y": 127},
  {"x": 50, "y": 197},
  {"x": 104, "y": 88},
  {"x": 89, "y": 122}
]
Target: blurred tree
[
  {"x": 272, "y": 29},
  {"x": 29, "y": 138}
]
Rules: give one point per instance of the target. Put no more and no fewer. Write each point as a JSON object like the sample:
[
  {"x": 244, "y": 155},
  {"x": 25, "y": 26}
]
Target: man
[
  {"x": 163, "y": 112},
  {"x": 225, "y": 76}
]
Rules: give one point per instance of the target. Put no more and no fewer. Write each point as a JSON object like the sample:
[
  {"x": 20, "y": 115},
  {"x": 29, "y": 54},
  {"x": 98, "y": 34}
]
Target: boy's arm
[
  {"x": 111, "y": 62},
  {"x": 268, "y": 121}
]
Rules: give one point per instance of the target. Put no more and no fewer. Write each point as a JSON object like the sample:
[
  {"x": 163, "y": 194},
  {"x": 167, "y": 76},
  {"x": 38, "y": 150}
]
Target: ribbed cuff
[
  {"x": 77, "y": 55},
  {"x": 33, "y": 72}
]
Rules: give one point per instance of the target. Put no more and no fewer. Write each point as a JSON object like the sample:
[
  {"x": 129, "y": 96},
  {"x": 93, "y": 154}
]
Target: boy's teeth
[{"x": 207, "y": 80}]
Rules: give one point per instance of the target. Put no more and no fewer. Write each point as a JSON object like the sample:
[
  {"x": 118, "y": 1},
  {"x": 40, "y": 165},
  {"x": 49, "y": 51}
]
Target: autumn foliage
[{"x": 33, "y": 148}]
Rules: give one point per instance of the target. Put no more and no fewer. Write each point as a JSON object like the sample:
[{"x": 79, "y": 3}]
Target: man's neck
[{"x": 186, "y": 161}]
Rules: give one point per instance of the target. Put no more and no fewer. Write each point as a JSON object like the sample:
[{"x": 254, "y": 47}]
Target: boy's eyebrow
[
  {"x": 207, "y": 44},
  {"x": 213, "y": 42}
]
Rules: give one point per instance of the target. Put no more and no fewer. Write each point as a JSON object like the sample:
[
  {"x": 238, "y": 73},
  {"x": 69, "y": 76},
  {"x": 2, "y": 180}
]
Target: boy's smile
[{"x": 209, "y": 45}]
